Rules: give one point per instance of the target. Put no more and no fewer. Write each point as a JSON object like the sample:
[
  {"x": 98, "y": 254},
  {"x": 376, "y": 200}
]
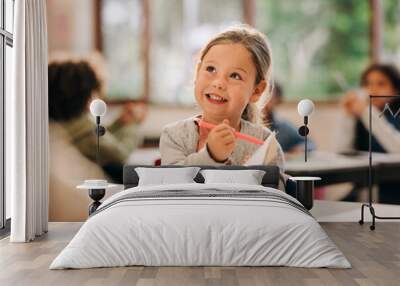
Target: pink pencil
[{"x": 239, "y": 135}]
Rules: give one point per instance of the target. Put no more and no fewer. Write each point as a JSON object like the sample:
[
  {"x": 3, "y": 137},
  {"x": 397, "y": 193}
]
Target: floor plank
[{"x": 374, "y": 255}]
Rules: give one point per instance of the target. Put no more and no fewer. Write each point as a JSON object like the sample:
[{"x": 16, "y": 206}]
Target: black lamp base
[
  {"x": 96, "y": 195},
  {"x": 305, "y": 193}
]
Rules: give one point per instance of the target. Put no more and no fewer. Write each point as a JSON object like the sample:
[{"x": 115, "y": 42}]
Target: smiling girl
[{"x": 231, "y": 76}]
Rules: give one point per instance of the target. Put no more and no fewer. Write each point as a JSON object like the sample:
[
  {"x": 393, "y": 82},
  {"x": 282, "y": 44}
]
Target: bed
[{"x": 201, "y": 224}]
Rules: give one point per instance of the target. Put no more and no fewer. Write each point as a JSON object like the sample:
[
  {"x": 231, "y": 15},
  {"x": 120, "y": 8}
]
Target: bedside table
[
  {"x": 96, "y": 190},
  {"x": 305, "y": 190}
]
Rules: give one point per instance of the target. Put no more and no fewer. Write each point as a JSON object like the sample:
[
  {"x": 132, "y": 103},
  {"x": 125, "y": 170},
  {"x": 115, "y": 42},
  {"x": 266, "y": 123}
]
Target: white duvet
[{"x": 183, "y": 231}]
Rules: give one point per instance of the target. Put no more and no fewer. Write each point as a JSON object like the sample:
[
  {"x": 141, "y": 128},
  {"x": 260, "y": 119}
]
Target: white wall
[{"x": 71, "y": 26}]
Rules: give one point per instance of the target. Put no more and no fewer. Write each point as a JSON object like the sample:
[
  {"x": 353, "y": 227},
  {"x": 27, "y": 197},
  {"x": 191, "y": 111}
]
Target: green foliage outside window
[
  {"x": 319, "y": 47},
  {"x": 391, "y": 34}
]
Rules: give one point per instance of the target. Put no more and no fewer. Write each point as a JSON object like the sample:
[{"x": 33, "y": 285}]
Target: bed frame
[{"x": 270, "y": 179}]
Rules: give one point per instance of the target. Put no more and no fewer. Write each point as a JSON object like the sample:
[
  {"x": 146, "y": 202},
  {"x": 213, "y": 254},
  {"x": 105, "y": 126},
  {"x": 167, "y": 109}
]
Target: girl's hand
[{"x": 221, "y": 141}]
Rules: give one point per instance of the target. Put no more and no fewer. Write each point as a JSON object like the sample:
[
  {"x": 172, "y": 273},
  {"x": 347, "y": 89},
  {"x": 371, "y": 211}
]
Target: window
[
  {"x": 9, "y": 16},
  {"x": 6, "y": 43},
  {"x": 391, "y": 31},
  {"x": 319, "y": 47},
  {"x": 122, "y": 24}
]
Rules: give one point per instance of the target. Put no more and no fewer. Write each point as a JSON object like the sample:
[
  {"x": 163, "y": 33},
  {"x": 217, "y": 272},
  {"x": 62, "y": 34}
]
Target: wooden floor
[{"x": 374, "y": 255}]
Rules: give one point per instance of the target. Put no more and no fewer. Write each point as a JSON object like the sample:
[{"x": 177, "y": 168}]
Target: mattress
[{"x": 201, "y": 225}]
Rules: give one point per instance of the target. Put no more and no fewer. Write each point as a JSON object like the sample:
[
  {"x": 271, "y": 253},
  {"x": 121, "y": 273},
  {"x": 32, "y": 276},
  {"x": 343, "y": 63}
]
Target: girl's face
[
  {"x": 225, "y": 83},
  {"x": 377, "y": 83}
]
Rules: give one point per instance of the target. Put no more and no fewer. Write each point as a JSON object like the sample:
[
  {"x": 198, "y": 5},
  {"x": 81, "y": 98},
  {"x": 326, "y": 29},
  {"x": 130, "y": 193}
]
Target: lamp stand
[
  {"x": 303, "y": 131},
  {"x": 370, "y": 174},
  {"x": 100, "y": 131}
]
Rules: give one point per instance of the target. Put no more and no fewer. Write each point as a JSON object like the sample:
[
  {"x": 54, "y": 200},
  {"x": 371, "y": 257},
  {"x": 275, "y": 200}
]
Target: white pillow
[
  {"x": 248, "y": 177},
  {"x": 164, "y": 176}
]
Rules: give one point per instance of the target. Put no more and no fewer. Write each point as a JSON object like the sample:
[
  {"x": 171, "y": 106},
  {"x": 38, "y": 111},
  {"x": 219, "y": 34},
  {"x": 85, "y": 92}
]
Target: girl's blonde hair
[{"x": 257, "y": 44}]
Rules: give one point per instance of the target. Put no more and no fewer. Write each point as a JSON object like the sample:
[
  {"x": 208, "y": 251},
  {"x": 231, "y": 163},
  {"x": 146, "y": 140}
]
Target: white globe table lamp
[{"x": 305, "y": 108}]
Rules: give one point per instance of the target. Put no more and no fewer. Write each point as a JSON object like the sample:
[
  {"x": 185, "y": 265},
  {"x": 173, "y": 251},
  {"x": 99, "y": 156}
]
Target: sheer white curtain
[{"x": 27, "y": 124}]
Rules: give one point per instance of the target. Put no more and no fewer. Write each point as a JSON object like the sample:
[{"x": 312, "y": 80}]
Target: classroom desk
[
  {"x": 332, "y": 168},
  {"x": 335, "y": 168},
  {"x": 387, "y": 167}
]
